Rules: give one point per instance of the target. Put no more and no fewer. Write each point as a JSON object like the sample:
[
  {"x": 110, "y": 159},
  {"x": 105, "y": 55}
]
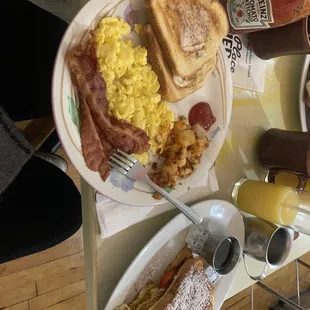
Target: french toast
[
  {"x": 187, "y": 288},
  {"x": 147, "y": 297},
  {"x": 183, "y": 255},
  {"x": 188, "y": 31},
  {"x": 190, "y": 289},
  {"x": 172, "y": 89}
]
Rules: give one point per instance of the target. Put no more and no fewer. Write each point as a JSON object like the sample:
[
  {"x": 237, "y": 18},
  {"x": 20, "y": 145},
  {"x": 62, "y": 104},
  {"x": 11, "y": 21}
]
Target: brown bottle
[
  {"x": 285, "y": 150},
  {"x": 254, "y": 15}
]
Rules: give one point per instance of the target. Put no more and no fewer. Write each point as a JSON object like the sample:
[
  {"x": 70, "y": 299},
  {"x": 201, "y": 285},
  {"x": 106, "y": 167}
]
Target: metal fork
[{"x": 133, "y": 169}]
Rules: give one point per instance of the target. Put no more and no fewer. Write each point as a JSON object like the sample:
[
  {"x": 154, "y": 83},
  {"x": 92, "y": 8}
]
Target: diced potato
[
  {"x": 184, "y": 172},
  {"x": 198, "y": 147},
  {"x": 181, "y": 162},
  {"x": 157, "y": 196},
  {"x": 183, "y": 153},
  {"x": 195, "y": 161},
  {"x": 185, "y": 137},
  {"x": 170, "y": 168},
  {"x": 174, "y": 148},
  {"x": 178, "y": 126}
]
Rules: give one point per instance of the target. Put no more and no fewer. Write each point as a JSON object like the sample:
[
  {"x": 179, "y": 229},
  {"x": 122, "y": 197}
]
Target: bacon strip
[
  {"x": 96, "y": 150},
  {"x": 120, "y": 133}
]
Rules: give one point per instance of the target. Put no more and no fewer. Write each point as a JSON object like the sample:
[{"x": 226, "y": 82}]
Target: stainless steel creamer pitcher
[{"x": 266, "y": 242}]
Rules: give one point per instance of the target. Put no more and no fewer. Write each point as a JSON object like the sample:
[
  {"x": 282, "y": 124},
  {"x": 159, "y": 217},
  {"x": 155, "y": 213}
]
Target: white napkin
[
  {"x": 114, "y": 216},
  {"x": 247, "y": 70}
]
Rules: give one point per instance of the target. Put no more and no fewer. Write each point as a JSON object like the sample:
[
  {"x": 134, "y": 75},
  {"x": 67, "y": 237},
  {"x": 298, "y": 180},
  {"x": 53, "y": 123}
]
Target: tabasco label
[{"x": 250, "y": 14}]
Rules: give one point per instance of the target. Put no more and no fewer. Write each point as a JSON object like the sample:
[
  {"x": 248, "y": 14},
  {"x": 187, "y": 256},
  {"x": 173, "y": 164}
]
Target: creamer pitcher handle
[
  {"x": 272, "y": 173},
  {"x": 255, "y": 278}
]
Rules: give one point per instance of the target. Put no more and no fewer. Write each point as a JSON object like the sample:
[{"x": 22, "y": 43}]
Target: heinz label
[{"x": 250, "y": 14}]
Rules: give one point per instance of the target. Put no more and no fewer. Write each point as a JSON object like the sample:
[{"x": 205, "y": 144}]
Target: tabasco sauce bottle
[{"x": 254, "y": 15}]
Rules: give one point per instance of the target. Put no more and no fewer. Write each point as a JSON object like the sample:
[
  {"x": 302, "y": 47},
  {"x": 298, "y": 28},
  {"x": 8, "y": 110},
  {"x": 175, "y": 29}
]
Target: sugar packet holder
[{"x": 196, "y": 239}]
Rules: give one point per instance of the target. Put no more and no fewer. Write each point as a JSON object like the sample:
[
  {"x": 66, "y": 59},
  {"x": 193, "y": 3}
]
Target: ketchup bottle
[{"x": 254, "y": 15}]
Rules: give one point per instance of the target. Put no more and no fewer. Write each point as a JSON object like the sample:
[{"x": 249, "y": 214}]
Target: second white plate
[{"x": 153, "y": 259}]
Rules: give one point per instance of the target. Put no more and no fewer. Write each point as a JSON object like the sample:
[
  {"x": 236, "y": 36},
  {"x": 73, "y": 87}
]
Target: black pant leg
[
  {"x": 31, "y": 37},
  {"x": 40, "y": 209}
]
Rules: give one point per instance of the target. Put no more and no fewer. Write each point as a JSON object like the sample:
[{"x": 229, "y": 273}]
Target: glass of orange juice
[
  {"x": 279, "y": 204},
  {"x": 289, "y": 179}
]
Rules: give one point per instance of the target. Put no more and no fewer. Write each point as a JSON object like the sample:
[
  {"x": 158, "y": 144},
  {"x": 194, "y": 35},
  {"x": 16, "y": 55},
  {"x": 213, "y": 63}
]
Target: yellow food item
[
  {"x": 138, "y": 28},
  {"x": 268, "y": 201},
  {"x": 182, "y": 153},
  {"x": 132, "y": 85}
]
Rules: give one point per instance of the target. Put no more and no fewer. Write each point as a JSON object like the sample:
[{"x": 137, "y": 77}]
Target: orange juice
[
  {"x": 290, "y": 179},
  {"x": 271, "y": 202}
]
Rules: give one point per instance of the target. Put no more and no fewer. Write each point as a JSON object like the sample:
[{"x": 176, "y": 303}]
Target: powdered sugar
[
  {"x": 194, "y": 29},
  {"x": 194, "y": 292},
  {"x": 151, "y": 272}
]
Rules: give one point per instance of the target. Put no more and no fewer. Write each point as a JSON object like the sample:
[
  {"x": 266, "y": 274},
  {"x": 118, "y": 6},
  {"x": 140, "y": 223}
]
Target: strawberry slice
[{"x": 167, "y": 278}]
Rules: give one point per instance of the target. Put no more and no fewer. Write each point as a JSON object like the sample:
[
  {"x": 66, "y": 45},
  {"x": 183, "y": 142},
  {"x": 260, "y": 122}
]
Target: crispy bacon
[
  {"x": 120, "y": 133},
  {"x": 104, "y": 142},
  {"x": 104, "y": 170},
  {"x": 100, "y": 132},
  {"x": 95, "y": 148}
]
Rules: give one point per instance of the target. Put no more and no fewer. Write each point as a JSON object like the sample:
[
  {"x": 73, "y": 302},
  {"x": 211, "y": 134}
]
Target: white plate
[
  {"x": 303, "y": 108},
  {"x": 217, "y": 91},
  {"x": 223, "y": 218}
]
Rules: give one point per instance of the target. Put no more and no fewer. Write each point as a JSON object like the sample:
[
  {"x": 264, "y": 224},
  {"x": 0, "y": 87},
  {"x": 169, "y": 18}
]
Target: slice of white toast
[
  {"x": 189, "y": 32},
  {"x": 169, "y": 88}
]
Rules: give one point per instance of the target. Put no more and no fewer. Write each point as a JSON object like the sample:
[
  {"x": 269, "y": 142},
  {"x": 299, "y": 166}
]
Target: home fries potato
[
  {"x": 182, "y": 154},
  {"x": 132, "y": 85}
]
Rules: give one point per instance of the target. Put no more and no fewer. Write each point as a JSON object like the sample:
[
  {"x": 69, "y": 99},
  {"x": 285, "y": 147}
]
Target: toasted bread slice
[
  {"x": 169, "y": 90},
  {"x": 148, "y": 303},
  {"x": 184, "y": 254},
  {"x": 147, "y": 297},
  {"x": 188, "y": 31},
  {"x": 190, "y": 288}
]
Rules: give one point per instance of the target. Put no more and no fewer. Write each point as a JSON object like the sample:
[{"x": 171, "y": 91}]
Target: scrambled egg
[
  {"x": 132, "y": 85},
  {"x": 138, "y": 29}
]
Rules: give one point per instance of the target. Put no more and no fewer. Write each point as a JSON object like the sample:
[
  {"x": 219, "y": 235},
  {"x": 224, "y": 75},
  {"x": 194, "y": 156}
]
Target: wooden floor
[{"x": 52, "y": 279}]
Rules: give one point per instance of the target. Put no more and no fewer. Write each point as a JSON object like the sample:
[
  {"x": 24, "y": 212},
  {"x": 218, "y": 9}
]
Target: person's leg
[
  {"x": 42, "y": 206},
  {"x": 40, "y": 209},
  {"x": 31, "y": 39}
]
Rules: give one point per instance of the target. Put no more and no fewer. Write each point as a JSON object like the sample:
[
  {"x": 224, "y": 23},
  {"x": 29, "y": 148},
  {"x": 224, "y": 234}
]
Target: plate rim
[
  {"x": 302, "y": 104},
  {"x": 178, "y": 223},
  {"x": 79, "y": 162}
]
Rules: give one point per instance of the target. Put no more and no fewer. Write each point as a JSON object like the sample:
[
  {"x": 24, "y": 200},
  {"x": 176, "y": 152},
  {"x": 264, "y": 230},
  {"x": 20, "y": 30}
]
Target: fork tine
[
  {"x": 121, "y": 170},
  {"x": 129, "y": 157},
  {"x": 124, "y": 160},
  {"x": 121, "y": 164}
]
